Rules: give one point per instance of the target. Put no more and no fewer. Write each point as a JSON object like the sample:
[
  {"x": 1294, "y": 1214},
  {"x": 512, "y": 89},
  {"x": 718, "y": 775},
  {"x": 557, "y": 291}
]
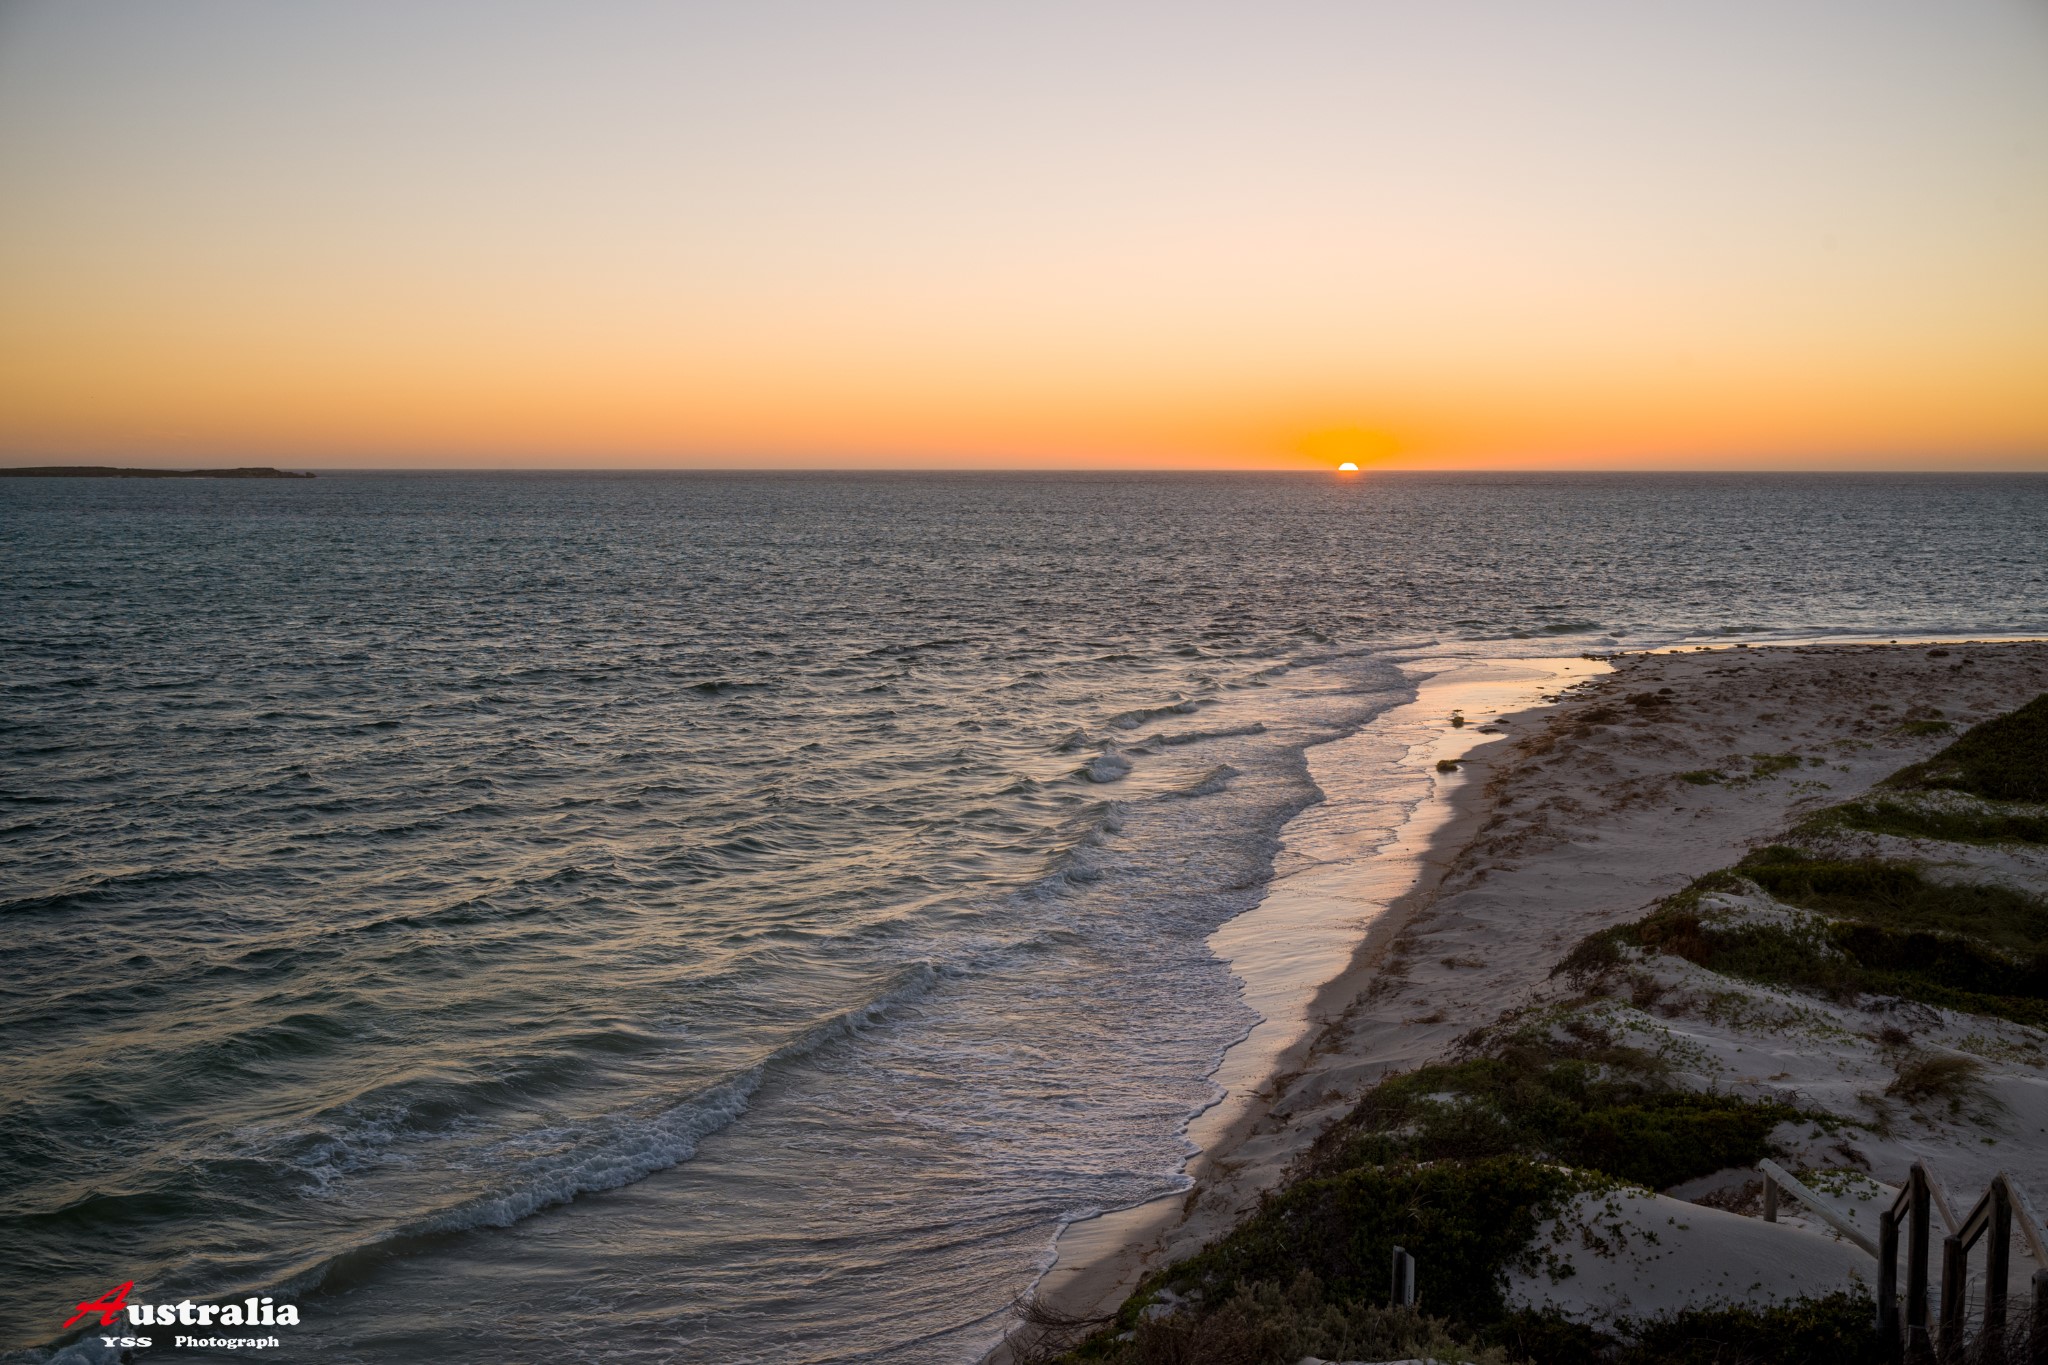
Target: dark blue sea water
[{"x": 729, "y": 918}]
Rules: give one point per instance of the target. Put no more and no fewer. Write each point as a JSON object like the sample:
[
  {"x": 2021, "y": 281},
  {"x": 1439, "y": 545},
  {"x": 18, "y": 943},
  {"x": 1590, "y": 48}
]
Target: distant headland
[{"x": 107, "y": 471}]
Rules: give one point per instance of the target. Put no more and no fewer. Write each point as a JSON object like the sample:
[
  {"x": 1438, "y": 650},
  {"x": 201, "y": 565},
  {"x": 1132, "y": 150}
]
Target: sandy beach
[{"x": 1576, "y": 816}]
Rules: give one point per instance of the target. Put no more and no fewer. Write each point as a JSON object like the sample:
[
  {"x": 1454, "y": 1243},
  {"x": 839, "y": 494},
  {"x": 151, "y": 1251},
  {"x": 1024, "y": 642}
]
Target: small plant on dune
[
  {"x": 1945, "y": 1078},
  {"x": 1703, "y": 777},
  {"x": 1762, "y": 767}
]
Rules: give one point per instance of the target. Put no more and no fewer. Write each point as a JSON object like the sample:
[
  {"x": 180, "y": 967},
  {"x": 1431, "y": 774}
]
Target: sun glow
[
  {"x": 1348, "y": 446},
  {"x": 686, "y": 236}
]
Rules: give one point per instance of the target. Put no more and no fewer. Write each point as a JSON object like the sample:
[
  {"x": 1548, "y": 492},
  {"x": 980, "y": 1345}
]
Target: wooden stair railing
[{"x": 1991, "y": 1220}]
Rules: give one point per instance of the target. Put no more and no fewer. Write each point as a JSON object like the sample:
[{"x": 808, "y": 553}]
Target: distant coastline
[{"x": 107, "y": 471}]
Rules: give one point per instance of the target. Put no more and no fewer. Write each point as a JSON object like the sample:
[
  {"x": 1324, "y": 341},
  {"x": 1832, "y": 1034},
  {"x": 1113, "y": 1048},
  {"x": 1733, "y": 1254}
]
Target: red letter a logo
[{"x": 108, "y": 1306}]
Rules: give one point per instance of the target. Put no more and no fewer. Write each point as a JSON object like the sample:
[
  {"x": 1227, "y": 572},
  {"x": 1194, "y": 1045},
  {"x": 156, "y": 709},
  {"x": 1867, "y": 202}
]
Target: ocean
[{"x": 737, "y": 918}]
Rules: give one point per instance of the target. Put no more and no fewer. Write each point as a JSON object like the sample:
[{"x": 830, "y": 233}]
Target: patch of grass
[
  {"x": 1884, "y": 926},
  {"x": 1353, "y": 1224},
  {"x": 1945, "y": 1078},
  {"x": 1914, "y": 822},
  {"x": 1884, "y": 930},
  {"x": 1464, "y": 1222},
  {"x": 1263, "y": 1324},
  {"x": 1583, "y": 1100},
  {"x": 1765, "y": 766},
  {"x": 2005, "y": 758},
  {"x": 1703, "y": 777},
  {"x": 1839, "y": 1329},
  {"x": 1896, "y": 895},
  {"x": 1459, "y": 1163}
]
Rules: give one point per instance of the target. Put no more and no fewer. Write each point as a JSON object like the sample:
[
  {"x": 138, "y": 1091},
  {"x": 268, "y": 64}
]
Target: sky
[{"x": 1790, "y": 234}]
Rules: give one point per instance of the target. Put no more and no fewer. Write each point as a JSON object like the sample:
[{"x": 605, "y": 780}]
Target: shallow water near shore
[{"x": 732, "y": 919}]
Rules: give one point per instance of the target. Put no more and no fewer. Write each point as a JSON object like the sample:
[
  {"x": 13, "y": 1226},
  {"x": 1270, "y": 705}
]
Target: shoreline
[
  {"x": 1356, "y": 906},
  {"x": 1368, "y": 1020}
]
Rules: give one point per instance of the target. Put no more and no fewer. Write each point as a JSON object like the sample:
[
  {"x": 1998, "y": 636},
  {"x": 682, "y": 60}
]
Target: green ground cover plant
[
  {"x": 1578, "y": 1097},
  {"x": 1886, "y": 929},
  {"x": 2004, "y": 758},
  {"x": 1460, "y": 1163},
  {"x": 1823, "y": 1331},
  {"x": 1918, "y": 822}
]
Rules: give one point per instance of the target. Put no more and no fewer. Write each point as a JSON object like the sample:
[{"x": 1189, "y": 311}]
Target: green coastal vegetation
[
  {"x": 2004, "y": 759},
  {"x": 1464, "y": 1162},
  {"x": 1880, "y": 928}
]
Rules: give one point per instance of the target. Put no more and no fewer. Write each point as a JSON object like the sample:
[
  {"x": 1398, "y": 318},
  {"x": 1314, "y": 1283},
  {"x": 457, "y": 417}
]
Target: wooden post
[
  {"x": 2037, "y": 1336},
  {"x": 1770, "y": 1199},
  {"x": 1916, "y": 1255},
  {"x": 1404, "y": 1279},
  {"x": 1953, "y": 1284},
  {"x": 1888, "y": 1284},
  {"x": 1997, "y": 1265}
]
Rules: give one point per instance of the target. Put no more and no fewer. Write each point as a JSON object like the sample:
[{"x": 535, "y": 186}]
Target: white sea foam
[{"x": 1107, "y": 767}]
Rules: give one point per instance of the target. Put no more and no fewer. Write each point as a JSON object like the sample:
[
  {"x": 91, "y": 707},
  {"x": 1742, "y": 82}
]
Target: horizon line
[{"x": 799, "y": 470}]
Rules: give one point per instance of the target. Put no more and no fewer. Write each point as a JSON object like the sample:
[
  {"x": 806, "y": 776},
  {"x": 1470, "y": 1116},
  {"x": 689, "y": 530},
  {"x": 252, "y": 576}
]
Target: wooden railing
[{"x": 1991, "y": 1221}]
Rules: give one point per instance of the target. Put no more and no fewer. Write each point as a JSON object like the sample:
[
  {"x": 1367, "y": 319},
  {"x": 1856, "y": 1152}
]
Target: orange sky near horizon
[{"x": 1136, "y": 235}]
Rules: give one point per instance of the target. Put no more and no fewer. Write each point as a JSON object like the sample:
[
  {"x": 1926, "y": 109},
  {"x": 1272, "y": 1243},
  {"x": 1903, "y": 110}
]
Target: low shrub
[
  {"x": 1262, "y": 1324},
  {"x": 1946, "y": 1078},
  {"x": 1914, "y": 822},
  {"x": 1584, "y": 1100},
  {"x": 1464, "y": 1222},
  {"x": 1845, "y": 958},
  {"x": 1887, "y": 930},
  {"x": 2005, "y": 758},
  {"x": 1838, "y": 1329}
]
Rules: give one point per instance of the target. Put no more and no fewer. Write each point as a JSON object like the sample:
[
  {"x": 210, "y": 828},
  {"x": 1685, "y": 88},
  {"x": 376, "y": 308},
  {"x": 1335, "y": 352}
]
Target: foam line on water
[{"x": 1344, "y": 861}]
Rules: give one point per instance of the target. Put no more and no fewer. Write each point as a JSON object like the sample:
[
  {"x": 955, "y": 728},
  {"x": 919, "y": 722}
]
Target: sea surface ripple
[{"x": 734, "y": 918}]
